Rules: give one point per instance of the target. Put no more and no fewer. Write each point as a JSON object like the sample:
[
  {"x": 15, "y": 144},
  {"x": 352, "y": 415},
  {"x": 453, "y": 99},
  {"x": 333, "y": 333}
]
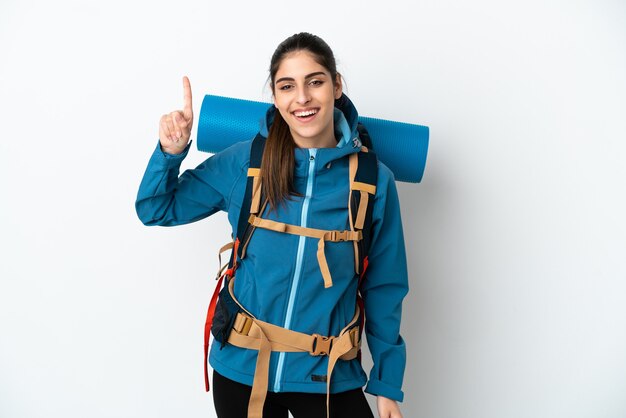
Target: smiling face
[{"x": 304, "y": 94}]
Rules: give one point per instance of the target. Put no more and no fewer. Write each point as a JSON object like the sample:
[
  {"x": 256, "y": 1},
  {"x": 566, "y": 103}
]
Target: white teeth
[{"x": 307, "y": 113}]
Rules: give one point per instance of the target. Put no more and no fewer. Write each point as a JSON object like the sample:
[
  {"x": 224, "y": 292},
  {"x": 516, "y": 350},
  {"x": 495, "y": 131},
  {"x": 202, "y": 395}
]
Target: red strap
[
  {"x": 211, "y": 313},
  {"x": 207, "y": 329}
]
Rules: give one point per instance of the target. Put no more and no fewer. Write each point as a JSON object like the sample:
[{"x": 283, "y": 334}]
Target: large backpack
[{"x": 226, "y": 314}]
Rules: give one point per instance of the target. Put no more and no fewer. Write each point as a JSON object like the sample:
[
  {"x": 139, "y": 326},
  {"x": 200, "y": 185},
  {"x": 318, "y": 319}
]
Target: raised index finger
[{"x": 187, "y": 109}]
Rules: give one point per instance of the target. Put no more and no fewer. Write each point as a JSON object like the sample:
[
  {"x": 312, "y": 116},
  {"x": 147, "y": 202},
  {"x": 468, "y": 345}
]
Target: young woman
[{"x": 281, "y": 283}]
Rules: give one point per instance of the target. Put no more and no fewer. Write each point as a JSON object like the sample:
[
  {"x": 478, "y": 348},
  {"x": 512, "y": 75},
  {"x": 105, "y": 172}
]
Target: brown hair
[{"x": 277, "y": 165}]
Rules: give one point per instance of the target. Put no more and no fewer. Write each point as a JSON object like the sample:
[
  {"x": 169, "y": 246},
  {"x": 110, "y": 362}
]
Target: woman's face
[{"x": 304, "y": 95}]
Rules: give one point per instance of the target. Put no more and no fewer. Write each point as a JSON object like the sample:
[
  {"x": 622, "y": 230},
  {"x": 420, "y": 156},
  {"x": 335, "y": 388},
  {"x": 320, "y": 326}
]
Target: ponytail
[{"x": 277, "y": 165}]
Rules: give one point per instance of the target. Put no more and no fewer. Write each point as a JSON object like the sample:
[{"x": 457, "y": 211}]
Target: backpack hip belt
[{"x": 251, "y": 333}]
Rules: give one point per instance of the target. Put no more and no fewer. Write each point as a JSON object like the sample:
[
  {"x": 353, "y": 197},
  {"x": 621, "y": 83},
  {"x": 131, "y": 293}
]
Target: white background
[{"x": 516, "y": 237}]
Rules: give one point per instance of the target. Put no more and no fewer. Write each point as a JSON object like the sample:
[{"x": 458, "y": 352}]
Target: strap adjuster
[
  {"x": 242, "y": 324},
  {"x": 321, "y": 345}
]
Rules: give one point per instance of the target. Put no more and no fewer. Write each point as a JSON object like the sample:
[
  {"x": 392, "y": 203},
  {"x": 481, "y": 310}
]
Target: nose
[{"x": 303, "y": 95}]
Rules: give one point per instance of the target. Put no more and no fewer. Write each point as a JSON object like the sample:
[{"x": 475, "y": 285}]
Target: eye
[
  {"x": 316, "y": 82},
  {"x": 285, "y": 87}
]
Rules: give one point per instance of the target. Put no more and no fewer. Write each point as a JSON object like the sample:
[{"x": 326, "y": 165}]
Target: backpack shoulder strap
[
  {"x": 363, "y": 179},
  {"x": 364, "y": 136},
  {"x": 252, "y": 197}
]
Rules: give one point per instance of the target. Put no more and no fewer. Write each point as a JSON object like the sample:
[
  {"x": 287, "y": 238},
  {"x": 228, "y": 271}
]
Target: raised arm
[{"x": 167, "y": 199}]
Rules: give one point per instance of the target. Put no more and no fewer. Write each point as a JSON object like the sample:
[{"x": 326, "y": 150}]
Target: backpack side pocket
[{"x": 225, "y": 314}]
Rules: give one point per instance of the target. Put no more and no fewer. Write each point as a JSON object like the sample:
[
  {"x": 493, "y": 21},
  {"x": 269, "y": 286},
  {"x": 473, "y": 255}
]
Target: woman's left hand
[{"x": 388, "y": 408}]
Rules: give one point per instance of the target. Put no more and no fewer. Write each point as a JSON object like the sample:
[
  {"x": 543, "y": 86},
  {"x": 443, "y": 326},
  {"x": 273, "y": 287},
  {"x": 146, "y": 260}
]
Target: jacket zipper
[{"x": 298, "y": 269}]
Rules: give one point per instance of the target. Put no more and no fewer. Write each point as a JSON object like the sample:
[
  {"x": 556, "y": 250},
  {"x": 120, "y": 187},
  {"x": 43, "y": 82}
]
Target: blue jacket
[{"x": 279, "y": 280}]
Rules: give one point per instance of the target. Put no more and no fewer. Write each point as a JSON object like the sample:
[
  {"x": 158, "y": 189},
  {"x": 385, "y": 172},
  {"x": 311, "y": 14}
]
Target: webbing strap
[
  {"x": 251, "y": 333},
  {"x": 370, "y": 188},
  {"x": 219, "y": 258},
  {"x": 261, "y": 379},
  {"x": 255, "y": 173},
  {"x": 341, "y": 347},
  {"x": 321, "y": 234},
  {"x": 248, "y": 331},
  {"x": 365, "y": 190},
  {"x": 353, "y": 165},
  {"x": 360, "y": 216},
  {"x": 327, "y": 235}
]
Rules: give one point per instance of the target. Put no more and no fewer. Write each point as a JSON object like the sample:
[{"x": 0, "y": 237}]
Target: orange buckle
[
  {"x": 321, "y": 345},
  {"x": 336, "y": 236}
]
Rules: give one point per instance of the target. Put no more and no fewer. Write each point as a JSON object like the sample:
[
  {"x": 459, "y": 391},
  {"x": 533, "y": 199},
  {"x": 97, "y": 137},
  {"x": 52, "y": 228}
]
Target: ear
[{"x": 338, "y": 87}]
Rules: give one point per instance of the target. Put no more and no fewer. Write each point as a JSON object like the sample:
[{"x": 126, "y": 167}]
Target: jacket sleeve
[
  {"x": 167, "y": 199},
  {"x": 383, "y": 289}
]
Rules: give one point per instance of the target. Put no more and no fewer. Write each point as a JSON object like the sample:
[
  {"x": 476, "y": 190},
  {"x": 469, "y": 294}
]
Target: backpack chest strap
[{"x": 321, "y": 234}]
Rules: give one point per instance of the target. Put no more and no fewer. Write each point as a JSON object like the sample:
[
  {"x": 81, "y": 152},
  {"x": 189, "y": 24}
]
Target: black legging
[{"x": 231, "y": 401}]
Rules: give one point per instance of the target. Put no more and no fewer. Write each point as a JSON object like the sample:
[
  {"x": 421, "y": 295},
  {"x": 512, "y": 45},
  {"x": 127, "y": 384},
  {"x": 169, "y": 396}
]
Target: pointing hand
[{"x": 175, "y": 127}]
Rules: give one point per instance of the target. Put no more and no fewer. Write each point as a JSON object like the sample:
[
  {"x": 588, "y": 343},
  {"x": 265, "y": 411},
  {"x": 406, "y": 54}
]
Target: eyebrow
[{"x": 307, "y": 76}]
